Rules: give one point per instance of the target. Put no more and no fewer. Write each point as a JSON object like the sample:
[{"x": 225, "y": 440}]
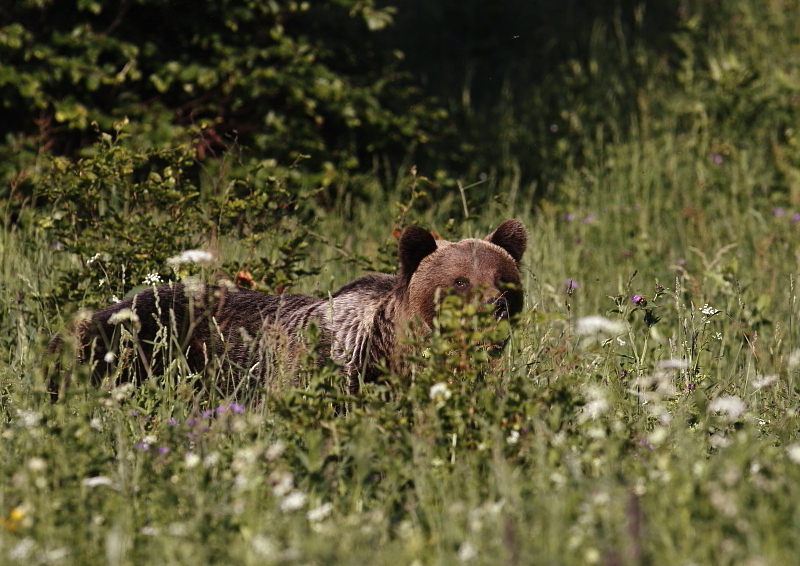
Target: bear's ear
[
  {"x": 415, "y": 244},
  {"x": 512, "y": 237}
]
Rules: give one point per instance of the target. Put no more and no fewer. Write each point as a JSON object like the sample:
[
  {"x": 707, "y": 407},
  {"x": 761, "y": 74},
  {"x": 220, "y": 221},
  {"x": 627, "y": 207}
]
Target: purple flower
[
  {"x": 57, "y": 246},
  {"x": 162, "y": 450},
  {"x": 778, "y": 211},
  {"x": 589, "y": 217},
  {"x": 644, "y": 442},
  {"x": 171, "y": 421},
  {"x": 207, "y": 413},
  {"x": 569, "y": 217},
  {"x": 638, "y": 300},
  {"x": 681, "y": 261},
  {"x": 143, "y": 446},
  {"x": 191, "y": 422},
  {"x": 796, "y": 217},
  {"x": 571, "y": 284},
  {"x": 232, "y": 407},
  {"x": 715, "y": 157}
]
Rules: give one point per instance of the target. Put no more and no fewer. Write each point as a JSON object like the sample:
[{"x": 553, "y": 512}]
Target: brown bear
[{"x": 254, "y": 332}]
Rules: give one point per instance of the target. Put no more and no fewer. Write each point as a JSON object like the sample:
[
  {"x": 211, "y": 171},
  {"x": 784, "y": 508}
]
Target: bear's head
[{"x": 488, "y": 269}]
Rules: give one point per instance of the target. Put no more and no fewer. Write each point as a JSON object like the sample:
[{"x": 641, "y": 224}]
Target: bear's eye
[{"x": 461, "y": 283}]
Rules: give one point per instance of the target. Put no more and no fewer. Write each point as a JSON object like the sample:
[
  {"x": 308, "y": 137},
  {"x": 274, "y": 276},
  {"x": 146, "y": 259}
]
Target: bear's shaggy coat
[{"x": 255, "y": 332}]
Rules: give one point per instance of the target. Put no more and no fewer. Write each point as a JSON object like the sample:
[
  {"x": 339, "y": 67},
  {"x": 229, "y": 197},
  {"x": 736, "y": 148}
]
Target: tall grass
[
  {"x": 663, "y": 432},
  {"x": 641, "y": 441}
]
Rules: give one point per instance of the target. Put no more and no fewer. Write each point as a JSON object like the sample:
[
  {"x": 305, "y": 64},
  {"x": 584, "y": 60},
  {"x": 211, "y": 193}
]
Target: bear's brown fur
[{"x": 254, "y": 332}]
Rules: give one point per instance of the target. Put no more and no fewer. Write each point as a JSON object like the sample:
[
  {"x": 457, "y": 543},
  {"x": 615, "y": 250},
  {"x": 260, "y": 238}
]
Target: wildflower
[
  {"x": 293, "y": 501},
  {"x": 93, "y": 259},
  {"x": 232, "y": 407},
  {"x": 320, "y": 513},
  {"x": 151, "y": 279},
  {"x": 28, "y": 419},
  {"x": 513, "y": 437},
  {"x": 571, "y": 284},
  {"x": 646, "y": 443},
  {"x": 109, "y": 357},
  {"x": 793, "y": 359},
  {"x": 96, "y": 481},
  {"x": 22, "y": 550},
  {"x": 731, "y": 405},
  {"x": 264, "y": 546},
  {"x": 596, "y": 403},
  {"x": 54, "y": 555},
  {"x": 143, "y": 446},
  {"x": 763, "y": 381},
  {"x": 275, "y": 450},
  {"x": 177, "y": 529},
  {"x": 190, "y": 256},
  {"x": 638, "y": 300},
  {"x": 191, "y": 460},
  {"x": 796, "y": 217},
  {"x": 569, "y": 217},
  {"x": 793, "y": 452},
  {"x": 589, "y": 218},
  {"x": 37, "y": 464},
  {"x": 162, "y": 450},
  {"x": 114, "y": 299},
  {"x": 590, "y": 325},
  {"x": 466, "y": 552},
  {"x": 708, "y": 310},
  {"x": 777, "y": 212},
  {"x": 172, "y": 421},
  {"x": 282, "y": 483},
  {"x": 211, "y": 460},
  {"x": 440, "y": 393},
  {"x": 715, "y": 157}
]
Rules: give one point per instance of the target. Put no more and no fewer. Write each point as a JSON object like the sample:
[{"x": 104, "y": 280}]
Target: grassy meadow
[
  {"x": 644, "y": 411},
  {"x": 664, "y": 432}
]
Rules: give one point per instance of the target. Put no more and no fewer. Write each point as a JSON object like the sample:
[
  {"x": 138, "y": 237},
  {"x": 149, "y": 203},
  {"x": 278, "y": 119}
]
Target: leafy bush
[
  {"x": 123, "y": 217},
  {"x": 283, "y": 78}
]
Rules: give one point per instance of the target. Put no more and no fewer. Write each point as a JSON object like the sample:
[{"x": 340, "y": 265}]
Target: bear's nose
[{"x": 500, "y": 307}]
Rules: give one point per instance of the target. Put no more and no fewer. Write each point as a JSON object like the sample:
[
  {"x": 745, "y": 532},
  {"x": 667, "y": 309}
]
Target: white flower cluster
[
  {"x": 190, "y": 256},
  {"x": 439, "y": 394},
  {"x": 708, "y": 310},
  {"x": 729, "y": 405},
  {"x": 151, "y": 279}
]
